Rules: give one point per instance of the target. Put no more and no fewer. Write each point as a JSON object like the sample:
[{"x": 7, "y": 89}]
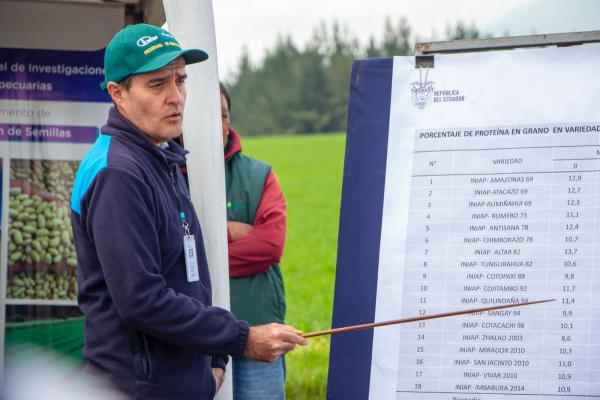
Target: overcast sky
[{"x": 257, "y": 23}]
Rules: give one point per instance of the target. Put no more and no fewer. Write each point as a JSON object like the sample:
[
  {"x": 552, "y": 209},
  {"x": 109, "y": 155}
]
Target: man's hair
[
  {"x": 126, "y": 83},
  {"x": 225, "y": 93}
]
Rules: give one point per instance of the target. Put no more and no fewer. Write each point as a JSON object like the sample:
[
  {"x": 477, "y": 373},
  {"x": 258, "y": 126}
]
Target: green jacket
[{"x": 260, "y": 298}]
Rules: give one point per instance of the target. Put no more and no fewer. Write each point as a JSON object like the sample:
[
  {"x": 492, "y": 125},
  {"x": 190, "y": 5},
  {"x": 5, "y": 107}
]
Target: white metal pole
[{"x": 192, "y": 23}]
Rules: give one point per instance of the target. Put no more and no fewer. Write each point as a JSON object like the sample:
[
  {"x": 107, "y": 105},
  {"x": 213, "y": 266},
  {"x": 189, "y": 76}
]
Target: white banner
[{"x": 491, "y": 197}]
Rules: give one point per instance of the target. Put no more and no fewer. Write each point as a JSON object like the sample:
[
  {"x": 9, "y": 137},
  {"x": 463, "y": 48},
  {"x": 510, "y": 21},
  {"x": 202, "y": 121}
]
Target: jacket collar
[
  {"x": 234, "y": 144},
  {"x": 119, "y": 126}
]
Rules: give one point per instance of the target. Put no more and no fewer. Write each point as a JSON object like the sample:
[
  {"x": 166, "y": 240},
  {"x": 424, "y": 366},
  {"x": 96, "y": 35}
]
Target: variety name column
[{"x": 500, "y": 212}]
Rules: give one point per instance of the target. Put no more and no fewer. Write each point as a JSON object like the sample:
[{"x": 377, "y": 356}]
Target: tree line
[{"x": 304, "y": 89}]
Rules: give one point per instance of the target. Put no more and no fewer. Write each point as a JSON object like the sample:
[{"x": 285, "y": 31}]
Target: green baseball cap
[{"x": 141, "y": 48}]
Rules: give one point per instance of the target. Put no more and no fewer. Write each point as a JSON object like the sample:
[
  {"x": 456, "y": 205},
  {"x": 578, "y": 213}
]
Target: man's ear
[{"x": 116, "y": 92}]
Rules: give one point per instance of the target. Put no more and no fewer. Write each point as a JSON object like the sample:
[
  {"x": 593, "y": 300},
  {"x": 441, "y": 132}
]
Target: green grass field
[{"x": 310, "y": 169}]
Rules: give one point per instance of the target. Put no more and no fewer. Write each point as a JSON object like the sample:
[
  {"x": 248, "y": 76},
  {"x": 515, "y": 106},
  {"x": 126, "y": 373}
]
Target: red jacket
[{"x": 263, "y": 245}]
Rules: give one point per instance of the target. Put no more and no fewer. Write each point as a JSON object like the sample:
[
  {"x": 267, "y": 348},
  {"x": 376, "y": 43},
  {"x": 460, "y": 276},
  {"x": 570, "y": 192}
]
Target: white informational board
[{"x": 483, "y": 181}]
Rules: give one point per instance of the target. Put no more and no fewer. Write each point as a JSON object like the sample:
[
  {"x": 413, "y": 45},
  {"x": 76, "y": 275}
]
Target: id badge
[{"x": 191, "y": 261}]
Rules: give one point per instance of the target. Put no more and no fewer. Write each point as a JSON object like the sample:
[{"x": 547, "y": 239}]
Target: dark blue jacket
[{"x": 154, "y": 334}]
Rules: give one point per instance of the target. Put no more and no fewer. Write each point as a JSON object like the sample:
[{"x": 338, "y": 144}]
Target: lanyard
[
  {"x": 184, "y": 223},
  {"x": 189, "y": 243}
]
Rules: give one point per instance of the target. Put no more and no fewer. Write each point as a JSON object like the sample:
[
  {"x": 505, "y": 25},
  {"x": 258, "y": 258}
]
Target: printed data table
[{"x": 502, "y": 215}]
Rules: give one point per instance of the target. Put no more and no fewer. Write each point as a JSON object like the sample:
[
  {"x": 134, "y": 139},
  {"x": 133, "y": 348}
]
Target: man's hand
[
  {"x": 237, "y": 229},
  {"x": 218, "y": 374},
  {"x": 271, "y": 341}
]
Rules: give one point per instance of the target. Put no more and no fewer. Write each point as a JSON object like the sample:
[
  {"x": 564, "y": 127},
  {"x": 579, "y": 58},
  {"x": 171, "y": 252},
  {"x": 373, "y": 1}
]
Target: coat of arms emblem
[{"x": 422, "y": 89}]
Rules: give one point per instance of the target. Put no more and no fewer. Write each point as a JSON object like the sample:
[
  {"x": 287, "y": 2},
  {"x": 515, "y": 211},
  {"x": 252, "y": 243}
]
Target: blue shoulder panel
[
  {"x": 95, "y": 160},
  {"x": 360, "y": 227}
]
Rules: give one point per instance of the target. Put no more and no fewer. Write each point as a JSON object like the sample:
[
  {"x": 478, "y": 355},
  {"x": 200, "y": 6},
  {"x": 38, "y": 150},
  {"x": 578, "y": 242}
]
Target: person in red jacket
[{"x": 256, "y": 213}]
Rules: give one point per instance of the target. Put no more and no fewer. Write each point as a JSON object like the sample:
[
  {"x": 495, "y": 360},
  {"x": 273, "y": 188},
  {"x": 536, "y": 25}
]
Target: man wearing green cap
[{"x": 144, "y": 286}]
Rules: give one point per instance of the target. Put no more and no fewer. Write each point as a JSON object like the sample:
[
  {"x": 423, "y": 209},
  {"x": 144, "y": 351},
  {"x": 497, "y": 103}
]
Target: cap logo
[{"x": 146, "y": 40}]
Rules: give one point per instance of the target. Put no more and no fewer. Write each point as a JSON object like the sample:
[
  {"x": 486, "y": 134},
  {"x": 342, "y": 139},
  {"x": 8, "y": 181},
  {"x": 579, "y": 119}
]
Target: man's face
[
  {"x": 155, "y": 101},
  {"x": 225, "y": 121}
]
